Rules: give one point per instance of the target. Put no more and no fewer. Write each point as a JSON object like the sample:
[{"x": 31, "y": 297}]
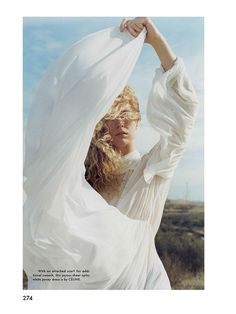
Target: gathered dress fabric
[{"x": 67, "y": 224}]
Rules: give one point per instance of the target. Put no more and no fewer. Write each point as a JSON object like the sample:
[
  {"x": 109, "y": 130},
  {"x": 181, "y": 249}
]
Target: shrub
[{"x": 182, "y": 247}]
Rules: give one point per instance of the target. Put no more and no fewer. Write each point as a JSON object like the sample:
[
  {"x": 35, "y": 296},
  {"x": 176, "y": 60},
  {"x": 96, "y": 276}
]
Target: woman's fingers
[
  {"x": 133, "y": 28},
  {"x": 140, "y": 27},
  {"x": 123, "y": 24},
  {"x": 136, "y": 29}
]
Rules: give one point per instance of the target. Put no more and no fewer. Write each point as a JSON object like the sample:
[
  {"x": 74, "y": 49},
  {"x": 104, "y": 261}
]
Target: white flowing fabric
[{"x": 67, "y": 224}]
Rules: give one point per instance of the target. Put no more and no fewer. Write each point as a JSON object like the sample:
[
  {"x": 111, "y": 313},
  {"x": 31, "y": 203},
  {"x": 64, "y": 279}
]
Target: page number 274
[{"x": 27, "y": 297}]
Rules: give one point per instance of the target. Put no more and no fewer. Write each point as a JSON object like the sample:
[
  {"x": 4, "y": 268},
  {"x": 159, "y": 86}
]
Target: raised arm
[
  {"x": 153, "y": 37},
  {"x": 172, "y": 103}
]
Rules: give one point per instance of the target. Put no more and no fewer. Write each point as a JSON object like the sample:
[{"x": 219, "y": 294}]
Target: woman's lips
[{"x": 122, "y": 134}]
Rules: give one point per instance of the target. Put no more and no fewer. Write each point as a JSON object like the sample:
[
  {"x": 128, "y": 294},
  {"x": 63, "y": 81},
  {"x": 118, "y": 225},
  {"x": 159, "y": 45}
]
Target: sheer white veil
[{"x": 67, "y": 224}]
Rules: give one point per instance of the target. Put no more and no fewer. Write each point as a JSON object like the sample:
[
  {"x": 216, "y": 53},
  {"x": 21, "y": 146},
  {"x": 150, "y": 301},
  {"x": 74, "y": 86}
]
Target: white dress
[{"x": 67, "y": 224}]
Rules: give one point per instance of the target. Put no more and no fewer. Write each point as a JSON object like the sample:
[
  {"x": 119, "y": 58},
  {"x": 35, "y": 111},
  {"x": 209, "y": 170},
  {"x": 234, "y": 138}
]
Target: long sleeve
[{"x": 171, "y": 111}]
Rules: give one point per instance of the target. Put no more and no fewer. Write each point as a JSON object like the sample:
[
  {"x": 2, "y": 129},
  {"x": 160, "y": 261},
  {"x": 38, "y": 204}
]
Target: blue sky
[{"x": 46, "y": 38}]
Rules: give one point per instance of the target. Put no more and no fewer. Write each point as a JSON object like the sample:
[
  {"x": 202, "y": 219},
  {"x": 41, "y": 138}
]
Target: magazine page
[
  {"x": 125, "y": 188},
  {"x": 113, "y": 135}
]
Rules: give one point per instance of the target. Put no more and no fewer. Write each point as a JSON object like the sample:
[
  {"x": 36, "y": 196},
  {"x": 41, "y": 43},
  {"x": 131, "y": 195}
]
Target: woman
[
  {"x": 113, "y": 138},
  {"x": 68, "y": 225},
  {"x": 113, "y": 164}
]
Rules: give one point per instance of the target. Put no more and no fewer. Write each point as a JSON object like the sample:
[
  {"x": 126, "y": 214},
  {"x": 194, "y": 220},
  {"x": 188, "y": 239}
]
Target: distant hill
[{"x": 183, "y": 205}]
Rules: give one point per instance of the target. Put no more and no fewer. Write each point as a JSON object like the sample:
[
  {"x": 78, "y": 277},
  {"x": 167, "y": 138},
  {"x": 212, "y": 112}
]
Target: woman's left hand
[
  {"x": 136, "y": 25},
  {"x": 153, "y": 37}
]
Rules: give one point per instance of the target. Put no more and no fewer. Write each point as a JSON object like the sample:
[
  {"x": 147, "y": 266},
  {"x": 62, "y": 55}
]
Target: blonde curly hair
[{"x": 103, "y": 161}]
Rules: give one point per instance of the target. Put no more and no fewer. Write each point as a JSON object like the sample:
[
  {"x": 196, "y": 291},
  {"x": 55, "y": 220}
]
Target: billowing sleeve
[{"x": 171, "y": 111}]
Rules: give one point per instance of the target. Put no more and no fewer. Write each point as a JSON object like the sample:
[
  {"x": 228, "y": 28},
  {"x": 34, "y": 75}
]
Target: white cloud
[
  {"x": 53, "y": 44},
  {"x": 46, "y": 43}
]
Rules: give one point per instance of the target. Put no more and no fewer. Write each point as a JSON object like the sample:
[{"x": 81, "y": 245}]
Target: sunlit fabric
[{"x": 67, "y": 224}]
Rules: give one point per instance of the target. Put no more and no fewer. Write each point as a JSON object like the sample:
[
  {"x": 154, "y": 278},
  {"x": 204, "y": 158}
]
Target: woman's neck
[{"x": 127, "y": 149}]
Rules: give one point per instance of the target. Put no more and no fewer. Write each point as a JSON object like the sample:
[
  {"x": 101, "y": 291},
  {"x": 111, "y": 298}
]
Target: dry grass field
[{"x": 180, "y": 244}]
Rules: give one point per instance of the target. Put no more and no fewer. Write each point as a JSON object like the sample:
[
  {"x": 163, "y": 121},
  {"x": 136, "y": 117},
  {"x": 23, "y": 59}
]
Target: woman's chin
[{"x": 122, "y": 142}]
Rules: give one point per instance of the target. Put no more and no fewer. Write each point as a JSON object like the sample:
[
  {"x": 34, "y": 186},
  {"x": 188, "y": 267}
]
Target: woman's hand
[
  {"x": 136, "y": 25},
  {"x": 153, "y": 37}
]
